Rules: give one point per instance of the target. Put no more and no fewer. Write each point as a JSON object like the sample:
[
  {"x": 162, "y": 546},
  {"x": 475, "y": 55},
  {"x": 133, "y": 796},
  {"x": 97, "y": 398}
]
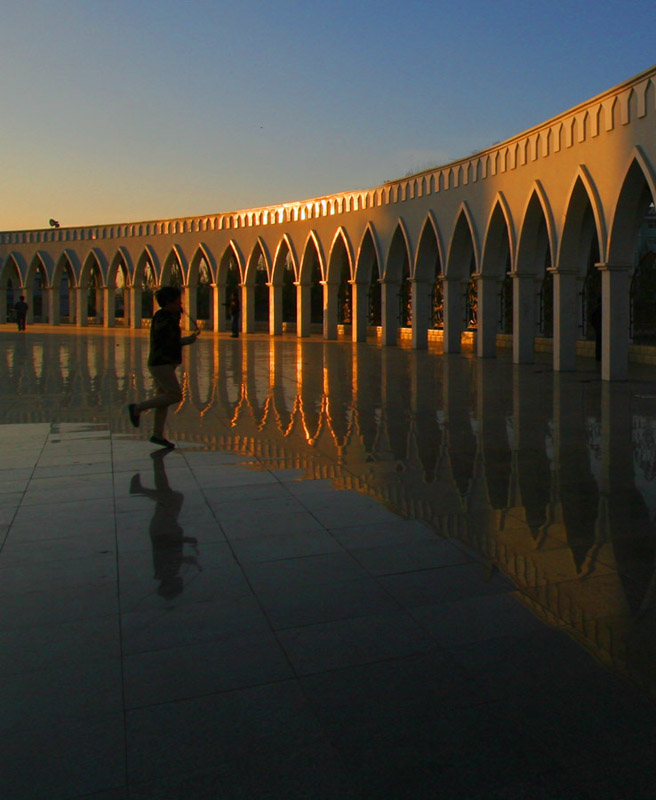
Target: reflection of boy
[
  {"x": 166, "y": 342},
  {"x": 166, "y": 534}
]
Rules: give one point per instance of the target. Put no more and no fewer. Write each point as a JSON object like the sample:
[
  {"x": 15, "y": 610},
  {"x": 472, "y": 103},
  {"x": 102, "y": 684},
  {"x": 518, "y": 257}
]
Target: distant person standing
[
  {"x": 234, "y": 314},
  {"x": 166, "y": 343},
  {"x": 21, "y": 308}
]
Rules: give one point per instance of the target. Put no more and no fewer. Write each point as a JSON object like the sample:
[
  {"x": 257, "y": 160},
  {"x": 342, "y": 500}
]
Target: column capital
[
  {"x": 555, "y": 270},
  {"x": 604, "y": 266}
]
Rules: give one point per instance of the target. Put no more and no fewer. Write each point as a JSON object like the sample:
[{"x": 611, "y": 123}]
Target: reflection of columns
[
  {"x": 421, "y": 296},
  {"x": 248, "y": 308},
  {"x": 389, "y": 312},
  {"x": 275, "y": 309},
  {"x": 360, "y": 311},
  {"x": 81, "y": 310},
  {"x": 217, "y": 311},
  {"x": 487, "y": 291},
  {"x": 134, "y": 300},
  {"x": 565, "y": 319},
  {"x": 330, "y": 300},
  {"x": 615, "y": 287},
  {"x": 524, "y": 299},
  {"x": 303, "y": 308},
  {"x": 109, "y": 307},
  {"x": 454, "y": 311}
]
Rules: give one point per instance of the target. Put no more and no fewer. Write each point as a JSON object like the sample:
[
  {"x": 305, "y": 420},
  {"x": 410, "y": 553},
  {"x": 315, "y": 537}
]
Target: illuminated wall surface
[
  {"x": 552, "y": 478},
  {"x": 523, "y": 239}
]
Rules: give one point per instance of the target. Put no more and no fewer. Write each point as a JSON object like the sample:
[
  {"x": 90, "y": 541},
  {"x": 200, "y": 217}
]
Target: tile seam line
[
  {"x": 126, "y": 766},
  {"x": 24, "y": 492}
]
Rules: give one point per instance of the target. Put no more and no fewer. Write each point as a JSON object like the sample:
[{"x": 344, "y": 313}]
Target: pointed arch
[
  {"x": 341, "y": 251},
  {"x": 175, "y": 257},
  {"x": 259, "y": 250},
  {"x": 530, "y": 255},
  {"x": 14, "y": 261},
  {"x": 637, "y": 191},
  {"x": 368, "y": 251},
  {"x": 430, "y": 250},
  {"x": 95, "y": 257},
  {"x": 499, "y": 245},
  {"x": 231, "y": 255},
  {"x": 67, "y": 259},
  {"x": 285, "y": 252},
  {"x": 201, "y": 252},
  {"x": 305, "y": 267},
  {"x": 584, "y": 220},
  {"x": 399, "y": 254},
  {"x": 147, "y": 255},
  {"x": 463, "y": 247},
  {"x": 121, "y": 257},
  {"x": 40, "y": 261}
]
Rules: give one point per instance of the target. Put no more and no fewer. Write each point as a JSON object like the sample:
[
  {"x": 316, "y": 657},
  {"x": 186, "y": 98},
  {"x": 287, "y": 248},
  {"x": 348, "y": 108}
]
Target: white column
[
  {"x": 359, "y": 311},
  {"x": 248, "y": 308},
  {"x": 421, "y": 297},
  {"x": 524, "y": 302},
  {"x": 53, "y": 305},
  {"x": 81, "y": 306},
  {"x": 275, "y": 309},
  {"x": 109, "y": 307},
  {"x": 615, "y": 300},
  {"x": 330, "y": 300},
  {"x": 190, "y": 304},
  {"x": 303, "y": 309},
  {"x": 389, "y": 302},
  {"x": 134, "y": 301},
  {"x": 487, "y": 290},
  {"x": 566, "y": 319},
  {"x": 215, "y": 307},
  {"x": 454, "y": 311}
]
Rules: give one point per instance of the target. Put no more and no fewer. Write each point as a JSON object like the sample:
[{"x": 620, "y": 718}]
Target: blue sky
[{"x": 115, "y": 111}]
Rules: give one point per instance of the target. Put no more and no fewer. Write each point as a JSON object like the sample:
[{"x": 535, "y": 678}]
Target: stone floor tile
[{"x": 348, "y": 642}]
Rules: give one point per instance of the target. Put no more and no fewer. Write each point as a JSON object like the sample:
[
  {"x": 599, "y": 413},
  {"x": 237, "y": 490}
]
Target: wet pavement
[{"x": 362, "y": 573}]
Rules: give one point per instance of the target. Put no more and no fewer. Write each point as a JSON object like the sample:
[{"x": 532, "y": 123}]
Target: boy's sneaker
[
  {"x": 161, "y": 441},
  {"x": 134, "y": 415}
]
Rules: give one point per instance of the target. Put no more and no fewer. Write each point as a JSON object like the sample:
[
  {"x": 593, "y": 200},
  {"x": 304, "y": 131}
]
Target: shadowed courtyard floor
[{"x": 362, "y": 573}]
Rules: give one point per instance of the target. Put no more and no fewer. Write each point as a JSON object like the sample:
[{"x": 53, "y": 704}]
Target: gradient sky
[{"x": 120, "y": 110}]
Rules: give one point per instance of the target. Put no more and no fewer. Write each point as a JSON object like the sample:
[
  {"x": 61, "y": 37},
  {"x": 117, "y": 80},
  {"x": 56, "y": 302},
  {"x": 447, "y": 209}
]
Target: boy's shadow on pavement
[{"x": 166, "y": 534}]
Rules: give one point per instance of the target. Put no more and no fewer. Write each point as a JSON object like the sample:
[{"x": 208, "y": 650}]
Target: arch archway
[
  {"x": 636, "y": 196},
  {"x": 533, "y": 257},
  {"x": 461, "y": 265},
  {"x": 366, "y": 287},
  {"x": 338, "y": 295},
  {"x": 427, "y": 285}
]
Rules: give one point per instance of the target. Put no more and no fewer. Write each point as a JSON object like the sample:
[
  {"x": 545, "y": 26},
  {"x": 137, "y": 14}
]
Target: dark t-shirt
[
  {"x": 21, "y": 308},
  {"x": 165, "y": 339}
]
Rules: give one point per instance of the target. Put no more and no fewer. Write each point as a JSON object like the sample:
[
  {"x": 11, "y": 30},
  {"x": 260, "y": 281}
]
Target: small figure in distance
[
  {"x": 21, "y": 308},
  {"x": 166, "y": 343},
  {"x": 233, "y": 308}
]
